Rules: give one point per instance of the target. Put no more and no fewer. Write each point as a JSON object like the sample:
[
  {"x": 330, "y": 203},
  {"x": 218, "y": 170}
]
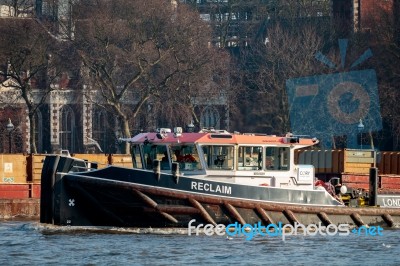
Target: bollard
[
  {"x": 157, "y": 169},
  {"x": 175, "y": 172},
  {"x": 373, "y": 186}
]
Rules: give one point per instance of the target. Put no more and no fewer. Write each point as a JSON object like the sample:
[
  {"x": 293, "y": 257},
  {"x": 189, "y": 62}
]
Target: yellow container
[
  {"x": 358, "y": 161},
  {"x": 35, "y": 165},
  {"x": 123, "y": 160},
  {"x": 13, "y": 169}
]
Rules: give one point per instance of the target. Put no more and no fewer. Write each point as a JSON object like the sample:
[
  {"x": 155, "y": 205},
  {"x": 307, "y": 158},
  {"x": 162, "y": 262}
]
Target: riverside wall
[{"x": 20, "y": 177}]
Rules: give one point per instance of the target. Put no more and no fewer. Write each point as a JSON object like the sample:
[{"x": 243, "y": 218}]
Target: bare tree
[
  {"x": 141, "y": 52},
  {"x": 27, "y": 50},
  {"x": 207, "y": 84},
  {"x": 382, "y": 33},
  {"x": 286, "y": 54}
]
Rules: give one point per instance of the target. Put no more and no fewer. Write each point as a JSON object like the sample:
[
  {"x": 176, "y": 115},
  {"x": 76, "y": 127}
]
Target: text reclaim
[{"x": 203, "y": 186}]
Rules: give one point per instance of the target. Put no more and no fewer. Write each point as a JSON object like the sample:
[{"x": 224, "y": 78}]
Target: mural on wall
[{"x": 337, "y": 104}]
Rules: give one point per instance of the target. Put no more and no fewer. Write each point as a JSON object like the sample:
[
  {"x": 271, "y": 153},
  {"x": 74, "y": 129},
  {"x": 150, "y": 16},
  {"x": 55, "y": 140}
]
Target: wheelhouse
[{"x": 232, "y": 157}]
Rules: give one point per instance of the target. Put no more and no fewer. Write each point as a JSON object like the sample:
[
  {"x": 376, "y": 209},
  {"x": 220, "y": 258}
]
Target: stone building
[{"x": 364, "y": 15}]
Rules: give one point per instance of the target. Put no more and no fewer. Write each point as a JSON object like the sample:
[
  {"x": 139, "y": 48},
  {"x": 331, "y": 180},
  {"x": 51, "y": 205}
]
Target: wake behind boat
[{"x": 211, "y": 176}]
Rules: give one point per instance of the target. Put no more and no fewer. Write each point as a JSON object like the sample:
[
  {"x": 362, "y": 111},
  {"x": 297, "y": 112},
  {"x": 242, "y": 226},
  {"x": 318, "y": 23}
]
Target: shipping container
[{"x": 13, "y": 169}]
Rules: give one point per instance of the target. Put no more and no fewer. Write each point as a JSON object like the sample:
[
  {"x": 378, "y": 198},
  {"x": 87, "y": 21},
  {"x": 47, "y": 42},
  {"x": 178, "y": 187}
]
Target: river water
[{"x": 32, "y": 243}]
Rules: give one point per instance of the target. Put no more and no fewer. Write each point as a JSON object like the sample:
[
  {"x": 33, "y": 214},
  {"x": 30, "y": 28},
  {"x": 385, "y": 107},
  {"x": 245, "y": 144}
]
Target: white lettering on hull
[
  {"x": 391, "y": 202},
  {"x": 201, "y": 186}
]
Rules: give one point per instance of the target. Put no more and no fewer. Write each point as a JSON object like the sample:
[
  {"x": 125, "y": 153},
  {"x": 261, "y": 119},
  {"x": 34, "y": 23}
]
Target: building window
[
  {"x": 205, "y": 17},
  {"x": 210, "y": 118},
  {"x": 100, "y": 127},
  {"x": 67, "y": 123}
]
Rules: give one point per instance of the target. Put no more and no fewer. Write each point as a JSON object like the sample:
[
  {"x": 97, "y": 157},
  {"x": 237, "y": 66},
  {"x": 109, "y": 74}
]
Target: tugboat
[{"x": 211, "y": 176}]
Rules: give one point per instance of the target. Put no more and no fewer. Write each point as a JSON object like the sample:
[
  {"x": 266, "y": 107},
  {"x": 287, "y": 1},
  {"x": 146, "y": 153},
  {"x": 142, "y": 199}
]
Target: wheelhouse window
[
  {"x": 277, "y": 158},
  {"x": 187, "y": 156},
  {"x": 218, "y": 157},
  {"x": 250, "y": 158},
  {"x": 156, "y": 152},
  {"x": 136, "y": 156}
]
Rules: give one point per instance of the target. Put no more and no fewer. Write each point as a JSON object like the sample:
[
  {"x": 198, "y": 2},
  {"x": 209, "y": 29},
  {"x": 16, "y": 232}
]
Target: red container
[
  {"x": 35, "y": 191},
  {"x": 17, "y": 191}
]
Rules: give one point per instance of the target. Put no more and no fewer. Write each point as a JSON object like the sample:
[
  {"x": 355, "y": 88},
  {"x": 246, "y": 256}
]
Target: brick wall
[{"x": 373, "y": 13}]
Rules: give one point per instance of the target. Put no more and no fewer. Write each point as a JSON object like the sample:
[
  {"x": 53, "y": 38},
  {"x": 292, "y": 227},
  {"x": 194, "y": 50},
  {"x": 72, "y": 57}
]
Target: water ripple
[{"x": 30, "y": 243}]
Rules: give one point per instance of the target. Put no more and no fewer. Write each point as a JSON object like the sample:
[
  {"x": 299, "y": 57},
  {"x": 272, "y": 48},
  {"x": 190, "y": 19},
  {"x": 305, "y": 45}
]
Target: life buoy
[
  {"x": 188, "y": 158},
  {"x": 319, "y": 183}
]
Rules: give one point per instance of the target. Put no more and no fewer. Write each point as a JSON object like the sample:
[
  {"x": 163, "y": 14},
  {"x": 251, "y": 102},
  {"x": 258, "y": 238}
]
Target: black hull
[{"x": 133, "y": 198}]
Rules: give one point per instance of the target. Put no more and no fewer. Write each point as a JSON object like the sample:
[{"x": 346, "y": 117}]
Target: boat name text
[
  {"x": 391, "y": 202},
  {"x": 305, "y": 172},
  {"x": 202, "y": 186},
  {"x": 259, "y": 173}
]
